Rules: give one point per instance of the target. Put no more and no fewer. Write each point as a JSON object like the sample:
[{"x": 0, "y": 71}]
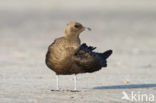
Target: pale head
[{"x": 74, "y": 29}]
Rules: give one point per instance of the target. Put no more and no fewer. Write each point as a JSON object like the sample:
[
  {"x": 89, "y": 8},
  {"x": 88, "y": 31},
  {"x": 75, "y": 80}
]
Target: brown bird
[{"x": 67, "y": 56}]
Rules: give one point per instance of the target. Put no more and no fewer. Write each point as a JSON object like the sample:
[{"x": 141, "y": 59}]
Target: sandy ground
[{"x": 25, "y": 36}]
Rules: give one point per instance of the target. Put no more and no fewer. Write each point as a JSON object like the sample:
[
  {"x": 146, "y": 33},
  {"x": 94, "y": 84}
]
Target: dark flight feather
[
  {"x": 91, "y": 61},
  {"x": 86, "y": 48}
]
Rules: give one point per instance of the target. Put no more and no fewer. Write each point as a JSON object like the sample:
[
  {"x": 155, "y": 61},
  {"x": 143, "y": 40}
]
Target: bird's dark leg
[
  {"x": 75, "y": 83},
  {"x": 57, "y": 82}
]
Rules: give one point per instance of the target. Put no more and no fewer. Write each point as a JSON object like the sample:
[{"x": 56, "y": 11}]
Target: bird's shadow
[{"x": 128, "y": 86}]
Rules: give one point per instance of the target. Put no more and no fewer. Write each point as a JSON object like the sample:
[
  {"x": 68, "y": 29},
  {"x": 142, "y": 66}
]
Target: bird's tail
[
  {"x": 106, "y": 54},
  {"x": 100, "y": 56},
  {"x": 103, "y": 57}
]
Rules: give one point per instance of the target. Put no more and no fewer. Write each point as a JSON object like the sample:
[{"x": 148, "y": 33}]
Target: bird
[{"x": 67, "y": 56}]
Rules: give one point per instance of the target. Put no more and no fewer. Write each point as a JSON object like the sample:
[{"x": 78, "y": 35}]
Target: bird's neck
[{"x": 73, "y": 38}]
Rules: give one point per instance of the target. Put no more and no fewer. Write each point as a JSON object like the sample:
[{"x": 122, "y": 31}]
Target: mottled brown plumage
[{"x": 66, "y": 56}]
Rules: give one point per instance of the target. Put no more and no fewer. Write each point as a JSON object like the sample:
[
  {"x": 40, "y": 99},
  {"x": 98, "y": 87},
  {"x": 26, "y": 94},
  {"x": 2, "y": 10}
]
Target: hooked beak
[{"x": 87, "y": 28}]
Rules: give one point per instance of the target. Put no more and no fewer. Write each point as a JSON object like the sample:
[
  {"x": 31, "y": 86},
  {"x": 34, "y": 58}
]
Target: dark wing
[
  {"x": 90, "y": 61},
  {"x": 86, "y": 48},
  {"x": 84, "y": 59}
]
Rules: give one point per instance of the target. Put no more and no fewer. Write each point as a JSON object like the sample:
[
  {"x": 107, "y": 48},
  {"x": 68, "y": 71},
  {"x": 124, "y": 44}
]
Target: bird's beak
[{"x": 87, "y": 28}]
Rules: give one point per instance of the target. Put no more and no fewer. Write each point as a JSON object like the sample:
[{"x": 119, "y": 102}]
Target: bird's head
[{"x": 74, "y": 29}]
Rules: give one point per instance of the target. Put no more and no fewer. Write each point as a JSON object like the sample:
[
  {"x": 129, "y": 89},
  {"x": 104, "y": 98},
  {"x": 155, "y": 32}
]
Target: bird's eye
[{"x": 77, "y": 26}]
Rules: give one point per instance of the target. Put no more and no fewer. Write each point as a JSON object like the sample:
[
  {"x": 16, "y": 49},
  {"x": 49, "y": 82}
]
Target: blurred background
[{"x": 28, "y": 27}]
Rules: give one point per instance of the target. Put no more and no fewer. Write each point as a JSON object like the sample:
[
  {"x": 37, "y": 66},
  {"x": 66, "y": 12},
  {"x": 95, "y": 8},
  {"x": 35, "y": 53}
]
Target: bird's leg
[
  {"x": 57, "y": 82},
  {"x": 75, "y": 78}
]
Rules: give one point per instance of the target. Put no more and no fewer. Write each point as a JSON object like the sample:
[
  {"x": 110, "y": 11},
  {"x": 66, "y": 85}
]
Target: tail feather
[
  {"x": 103, "y": 57},
  {"x": 107, "y": 53}
]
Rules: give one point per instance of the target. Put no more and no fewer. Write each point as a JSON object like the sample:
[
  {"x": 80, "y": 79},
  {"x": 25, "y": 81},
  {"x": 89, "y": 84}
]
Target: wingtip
[
  {"x": 111, "y": 51},
  {"x": 107, "y": 53}
]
